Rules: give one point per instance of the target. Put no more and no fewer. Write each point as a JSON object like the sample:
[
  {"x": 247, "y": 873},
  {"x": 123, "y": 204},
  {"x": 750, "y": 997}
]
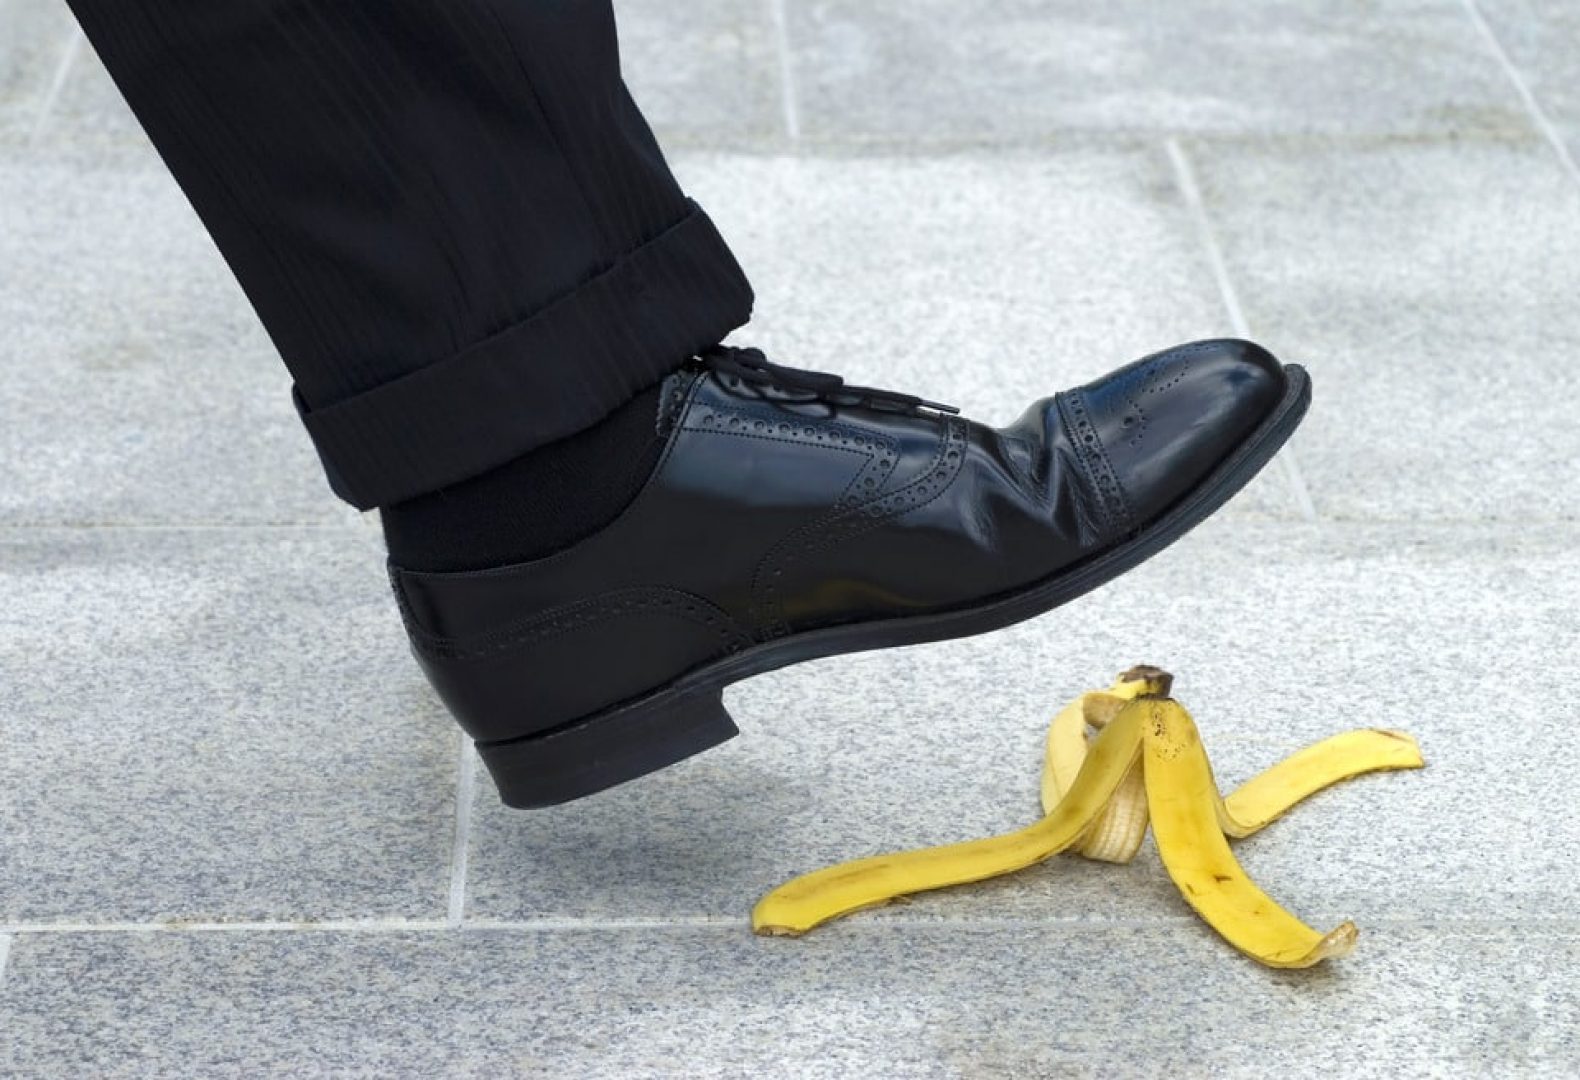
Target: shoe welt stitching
[{"x": 582, "y": 613}]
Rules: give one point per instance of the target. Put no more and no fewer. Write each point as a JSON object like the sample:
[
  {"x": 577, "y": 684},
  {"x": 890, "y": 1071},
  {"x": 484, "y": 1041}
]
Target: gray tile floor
[{"x": 239, "y": 837}]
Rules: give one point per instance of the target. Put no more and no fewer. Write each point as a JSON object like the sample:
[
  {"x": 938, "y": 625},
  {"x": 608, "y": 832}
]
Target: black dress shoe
[{"x": 792, "y": 517}]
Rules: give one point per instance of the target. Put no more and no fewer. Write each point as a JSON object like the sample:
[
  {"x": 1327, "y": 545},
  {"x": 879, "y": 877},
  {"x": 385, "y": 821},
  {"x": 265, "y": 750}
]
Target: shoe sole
[{"x": 687, "y": 716}]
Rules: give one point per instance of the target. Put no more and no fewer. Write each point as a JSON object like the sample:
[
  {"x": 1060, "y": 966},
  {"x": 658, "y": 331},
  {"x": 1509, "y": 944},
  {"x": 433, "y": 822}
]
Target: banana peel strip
[
  {"x": 1144, "y": 766},
  {"x": 1117, "y": 833},
  {"x": 1269, "y": 794},
  {"x": 1183, "y": 799},
  {"x": 798, "y": 906}
]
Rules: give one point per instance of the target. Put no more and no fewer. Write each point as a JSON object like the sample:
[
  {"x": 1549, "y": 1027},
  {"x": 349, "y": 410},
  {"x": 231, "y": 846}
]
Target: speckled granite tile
[
  {"x": 703, "y": 71},
  {"x": 1540, "y": 38},
  {"x": 140, "y": 387},
  {"x": 35, "y": 36},
  {"x": 715, "y": 1002},
  {"x": 1280, "y": 636},
  {"x": 214, "y": 725},
  {"x": 924, "y": 70},
  {"x": 1430, "y": 289},
  {"x": 987, "y": 282},
  {"x": 89, "y": 122}
]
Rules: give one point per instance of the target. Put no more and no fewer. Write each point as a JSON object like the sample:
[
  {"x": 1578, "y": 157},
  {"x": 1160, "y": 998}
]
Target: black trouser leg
[{"x": 452, "y": 219}]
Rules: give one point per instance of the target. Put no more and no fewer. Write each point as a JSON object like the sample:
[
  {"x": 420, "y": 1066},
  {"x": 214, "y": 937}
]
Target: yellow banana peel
[
  {"x": 799, "y": 905},
  {"x": 1117, "y": 833},
  {"x": 1120, "y": 761},
  {"x": 1267, "y": 795}
]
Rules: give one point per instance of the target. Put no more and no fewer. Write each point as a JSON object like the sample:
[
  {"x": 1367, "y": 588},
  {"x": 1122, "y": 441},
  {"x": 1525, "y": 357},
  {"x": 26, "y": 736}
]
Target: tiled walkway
[{"x": 238, "y": 836}]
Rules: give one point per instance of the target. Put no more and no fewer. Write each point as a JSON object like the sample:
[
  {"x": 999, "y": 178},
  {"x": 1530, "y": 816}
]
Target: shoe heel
[{"x": 610, "y": 748}]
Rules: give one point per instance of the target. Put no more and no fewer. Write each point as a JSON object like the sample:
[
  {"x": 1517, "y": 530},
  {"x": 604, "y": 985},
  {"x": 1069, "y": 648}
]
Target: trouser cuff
[{"x": 558, "y": 371}]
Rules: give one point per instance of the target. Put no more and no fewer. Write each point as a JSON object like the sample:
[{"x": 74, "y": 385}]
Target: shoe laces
[{"x": 753, "y": 368}]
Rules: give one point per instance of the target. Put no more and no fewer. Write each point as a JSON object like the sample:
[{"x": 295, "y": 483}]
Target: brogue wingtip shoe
[{"x": 792, "y": 516}]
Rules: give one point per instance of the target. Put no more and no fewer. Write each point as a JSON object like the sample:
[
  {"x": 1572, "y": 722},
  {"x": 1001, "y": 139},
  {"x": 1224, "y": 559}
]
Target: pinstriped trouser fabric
[{"x": 449, "y": 214}]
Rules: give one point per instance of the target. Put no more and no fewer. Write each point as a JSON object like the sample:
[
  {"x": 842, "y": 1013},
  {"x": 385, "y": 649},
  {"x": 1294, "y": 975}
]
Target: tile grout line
[
  {"x": 1296, "y": 480},
  {"x": 465, "y": 802},
  {"x": 180, "y": 526},
  {"x": 1185, "y": 180},
  {"x": 787, "y": 89},
  {"x": 1538, "y": 115},
  {"x": 699, "y": 922},
  {"x": 20, "y": 531},
  {"x": 239, "y": 926},
  {"x": 57, "y": 83},
  {"x": 370, "y": 925}
]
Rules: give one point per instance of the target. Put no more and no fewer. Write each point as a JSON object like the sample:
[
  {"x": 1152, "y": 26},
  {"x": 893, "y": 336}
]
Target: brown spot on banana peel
[{"x": 1157, "y": 726}]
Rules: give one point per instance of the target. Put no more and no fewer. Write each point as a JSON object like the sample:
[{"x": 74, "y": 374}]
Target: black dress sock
[{"x": 535, "y": 505}]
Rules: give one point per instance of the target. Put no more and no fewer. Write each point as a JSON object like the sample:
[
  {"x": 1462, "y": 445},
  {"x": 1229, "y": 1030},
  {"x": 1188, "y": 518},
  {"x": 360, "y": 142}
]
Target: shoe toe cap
[{"x": 1168, "y": 420}]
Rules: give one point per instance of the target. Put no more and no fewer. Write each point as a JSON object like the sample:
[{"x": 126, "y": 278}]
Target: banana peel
[{"x": 1118, "y": 762}]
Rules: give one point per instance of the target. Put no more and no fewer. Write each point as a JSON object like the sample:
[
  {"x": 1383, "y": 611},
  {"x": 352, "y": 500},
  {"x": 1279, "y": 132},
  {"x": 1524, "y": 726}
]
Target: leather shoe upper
[
  {"x": 785, "y": 501},
  {"x": 1150, "y": 430}
]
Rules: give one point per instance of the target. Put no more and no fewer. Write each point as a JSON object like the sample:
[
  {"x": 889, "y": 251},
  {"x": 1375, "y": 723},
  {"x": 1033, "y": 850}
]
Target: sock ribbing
[{"x": 535, "y": 505}]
